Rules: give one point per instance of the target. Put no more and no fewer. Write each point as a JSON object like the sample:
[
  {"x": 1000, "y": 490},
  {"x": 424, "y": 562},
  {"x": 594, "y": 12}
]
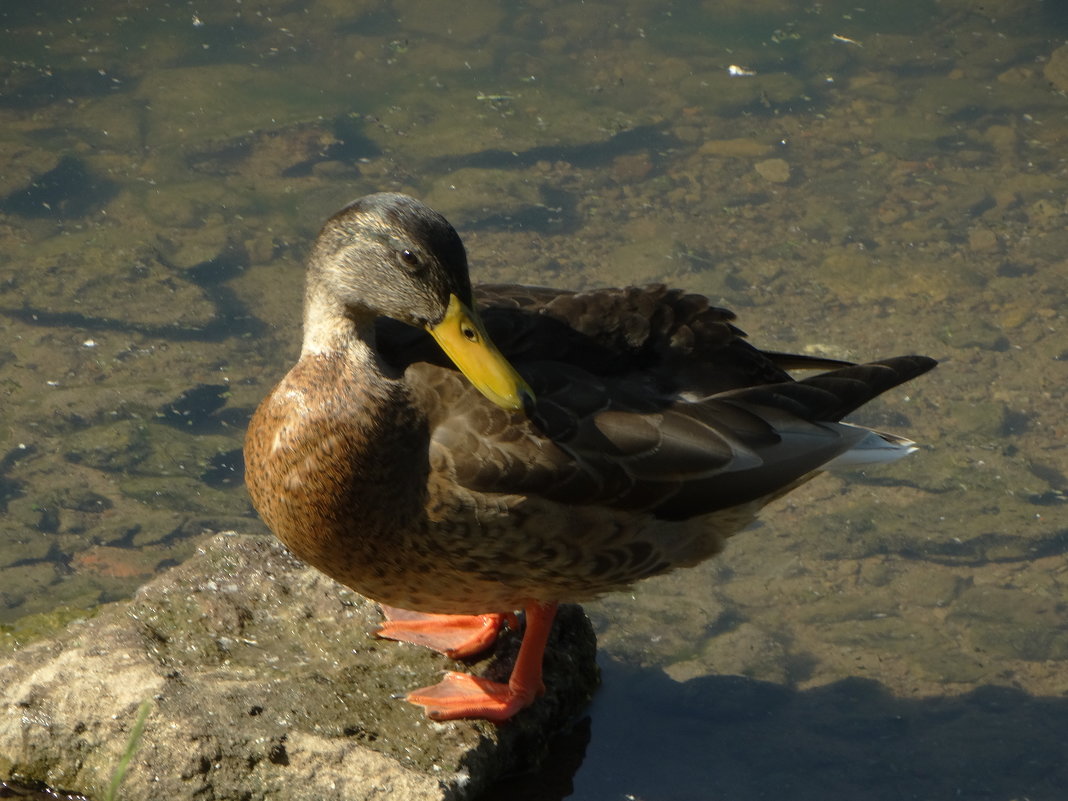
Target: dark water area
[{"x": 854, "y": 182}]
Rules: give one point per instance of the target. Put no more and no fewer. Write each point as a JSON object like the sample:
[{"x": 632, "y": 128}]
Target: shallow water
[{"x": 888, "y": 181}]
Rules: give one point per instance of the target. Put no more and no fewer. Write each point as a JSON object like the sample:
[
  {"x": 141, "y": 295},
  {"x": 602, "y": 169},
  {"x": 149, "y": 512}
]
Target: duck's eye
[{"x": 410, "y": 259}]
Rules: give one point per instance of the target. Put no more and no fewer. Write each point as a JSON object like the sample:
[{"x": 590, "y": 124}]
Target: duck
[{"x": 462, "y": 453}]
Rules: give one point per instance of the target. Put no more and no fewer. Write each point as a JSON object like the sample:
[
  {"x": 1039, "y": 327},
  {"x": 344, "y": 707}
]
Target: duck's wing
[
  {"x": 677, "y": 340},
  {"x": 648, "y": 400},
  {"x": 780, "y": 433}
]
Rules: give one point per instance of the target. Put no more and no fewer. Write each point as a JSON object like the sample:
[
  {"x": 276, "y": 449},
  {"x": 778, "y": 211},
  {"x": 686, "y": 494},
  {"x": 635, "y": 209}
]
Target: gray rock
[{"x": 265, "y": 682}]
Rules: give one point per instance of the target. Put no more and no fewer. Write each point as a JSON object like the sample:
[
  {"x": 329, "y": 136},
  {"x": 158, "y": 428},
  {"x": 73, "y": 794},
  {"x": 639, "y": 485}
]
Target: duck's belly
[{"x": 528, "y": 554}]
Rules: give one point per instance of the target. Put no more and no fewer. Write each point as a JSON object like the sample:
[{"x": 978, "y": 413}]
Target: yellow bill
[{"x": 464, "y": 340}]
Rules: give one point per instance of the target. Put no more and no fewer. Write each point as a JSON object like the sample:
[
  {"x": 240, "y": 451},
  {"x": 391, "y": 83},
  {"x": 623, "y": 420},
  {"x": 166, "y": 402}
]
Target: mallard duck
[{"x": 457, "y": 454}]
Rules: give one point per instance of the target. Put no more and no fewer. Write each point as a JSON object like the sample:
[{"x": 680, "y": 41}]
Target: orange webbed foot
[
  {"x": 460, "y": 695},
  {"x": 456, "y": 636}
]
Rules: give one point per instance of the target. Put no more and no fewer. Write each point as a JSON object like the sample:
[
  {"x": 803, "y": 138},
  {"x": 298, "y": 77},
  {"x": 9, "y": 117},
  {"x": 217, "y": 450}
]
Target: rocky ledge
[{"x": 265, "y": 681}]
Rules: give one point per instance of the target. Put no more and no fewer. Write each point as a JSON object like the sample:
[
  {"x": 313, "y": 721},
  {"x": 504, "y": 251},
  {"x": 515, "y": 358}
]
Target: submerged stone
[{"x": 1056, "y": 70}]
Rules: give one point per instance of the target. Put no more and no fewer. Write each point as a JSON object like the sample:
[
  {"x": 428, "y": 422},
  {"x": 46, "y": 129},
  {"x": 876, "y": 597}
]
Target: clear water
[{"x": 887, "y": 180}]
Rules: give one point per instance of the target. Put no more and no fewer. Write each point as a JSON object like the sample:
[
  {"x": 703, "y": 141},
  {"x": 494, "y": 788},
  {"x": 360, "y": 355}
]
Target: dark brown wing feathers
[{"x": 648, "y": 398}]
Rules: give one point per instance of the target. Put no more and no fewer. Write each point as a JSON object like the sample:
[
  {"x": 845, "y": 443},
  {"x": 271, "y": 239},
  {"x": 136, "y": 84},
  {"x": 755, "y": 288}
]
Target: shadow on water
[
  {"x": 67, "y": 191},
  {"x": 729, "y": 737}
]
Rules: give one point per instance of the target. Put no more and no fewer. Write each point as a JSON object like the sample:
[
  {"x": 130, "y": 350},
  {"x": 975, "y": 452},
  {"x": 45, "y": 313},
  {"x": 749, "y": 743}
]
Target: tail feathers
[
  {"x": 830, "y": 396},
  {"x": 876, "y": 447},
  {"x": 849, "y": 388}
]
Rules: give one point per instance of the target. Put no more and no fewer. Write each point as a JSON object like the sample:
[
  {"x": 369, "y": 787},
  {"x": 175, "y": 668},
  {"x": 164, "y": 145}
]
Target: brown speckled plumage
[
  {"x": 657, "y": 433},
  {"x": 391, "y": 473}
]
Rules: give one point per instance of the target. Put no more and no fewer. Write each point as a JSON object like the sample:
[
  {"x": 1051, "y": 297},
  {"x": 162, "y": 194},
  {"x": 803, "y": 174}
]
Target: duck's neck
[
  {"x": 341, "y": 342},
  {"x": 363, "y": 408},
  {"x": 331, "y": 328}
]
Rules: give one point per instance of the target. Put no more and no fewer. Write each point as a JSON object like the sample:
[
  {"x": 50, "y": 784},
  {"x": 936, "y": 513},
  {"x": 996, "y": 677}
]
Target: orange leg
[
  {"x": 462, "y": 696},
  {"x": 456, "y": 636}
]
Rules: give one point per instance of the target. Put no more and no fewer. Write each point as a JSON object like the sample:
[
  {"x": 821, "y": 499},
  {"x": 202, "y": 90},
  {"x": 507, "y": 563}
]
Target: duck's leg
[
  {"x": 456, "y": 636},
  {"x": 459, "y": 695}
]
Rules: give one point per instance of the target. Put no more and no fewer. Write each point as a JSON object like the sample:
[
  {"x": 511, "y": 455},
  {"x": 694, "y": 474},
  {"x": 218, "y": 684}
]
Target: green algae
[{"x": 31, "y": 628}]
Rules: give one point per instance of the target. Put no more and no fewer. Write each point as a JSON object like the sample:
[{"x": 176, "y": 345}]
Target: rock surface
[{"x": 265, "y": 682}]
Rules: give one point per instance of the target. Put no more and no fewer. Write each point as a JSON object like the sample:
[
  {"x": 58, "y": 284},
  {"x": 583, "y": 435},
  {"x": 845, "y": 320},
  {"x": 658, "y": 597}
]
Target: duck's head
[{"x": 388, "y": 255}]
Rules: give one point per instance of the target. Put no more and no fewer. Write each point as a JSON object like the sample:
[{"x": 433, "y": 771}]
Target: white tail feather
[{"x": 872, "y": 448}]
